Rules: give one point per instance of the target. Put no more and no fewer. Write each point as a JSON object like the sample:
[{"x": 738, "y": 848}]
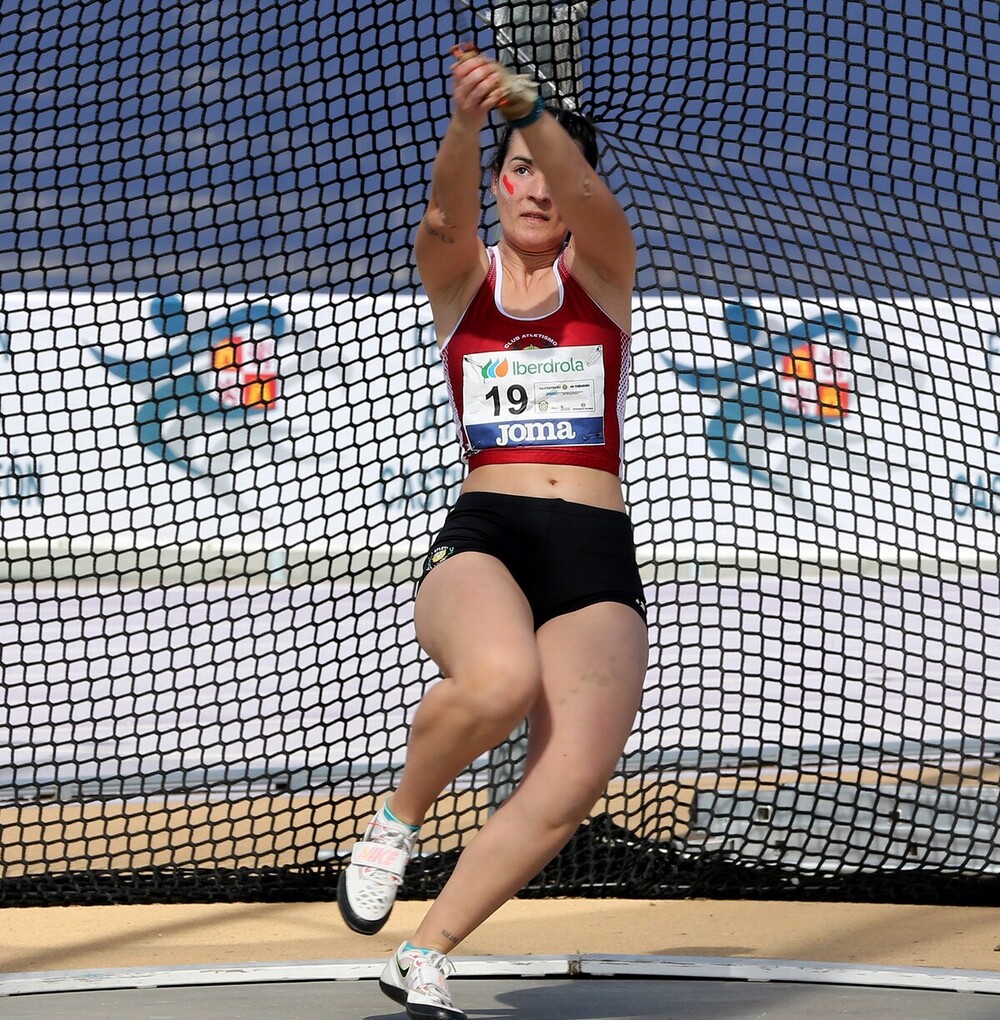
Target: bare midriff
[{"x": 549, "y": 481}]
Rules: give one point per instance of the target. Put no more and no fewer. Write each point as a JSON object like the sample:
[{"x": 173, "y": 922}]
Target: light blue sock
[
  {"x": 392, "y": 818},
  {"x": 409, "y": 947}
]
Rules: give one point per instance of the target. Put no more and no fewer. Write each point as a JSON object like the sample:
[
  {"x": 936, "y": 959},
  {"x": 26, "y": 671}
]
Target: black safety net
[{"x": 225, "y": 442}]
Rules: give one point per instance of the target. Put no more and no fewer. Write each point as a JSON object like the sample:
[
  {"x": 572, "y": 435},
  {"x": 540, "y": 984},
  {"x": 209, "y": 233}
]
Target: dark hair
[{"x": 576, "y": 125}]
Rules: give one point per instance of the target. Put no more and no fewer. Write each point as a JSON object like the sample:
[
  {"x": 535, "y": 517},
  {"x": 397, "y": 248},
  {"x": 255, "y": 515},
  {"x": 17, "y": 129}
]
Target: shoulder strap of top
[
  {"x": 491, "y": 273},
  {"x": 562, "y": 268}
]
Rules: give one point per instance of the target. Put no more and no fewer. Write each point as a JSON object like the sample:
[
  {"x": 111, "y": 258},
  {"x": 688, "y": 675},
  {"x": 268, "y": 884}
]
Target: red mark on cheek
[{"x": 506, "y": 183}]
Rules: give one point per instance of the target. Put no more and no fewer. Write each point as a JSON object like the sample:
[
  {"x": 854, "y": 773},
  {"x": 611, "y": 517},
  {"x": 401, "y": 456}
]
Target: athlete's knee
[
  {"x": 566, "y": 798},
  {"x": 495, "y": 695},
  {"x": 502, "y": 698}
]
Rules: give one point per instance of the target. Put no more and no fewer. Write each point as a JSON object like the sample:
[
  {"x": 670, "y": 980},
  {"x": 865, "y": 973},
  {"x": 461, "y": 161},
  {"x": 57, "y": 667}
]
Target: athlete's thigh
[
  {"x": 593, "y": 666},
  {"x": 471, "y": 617}
]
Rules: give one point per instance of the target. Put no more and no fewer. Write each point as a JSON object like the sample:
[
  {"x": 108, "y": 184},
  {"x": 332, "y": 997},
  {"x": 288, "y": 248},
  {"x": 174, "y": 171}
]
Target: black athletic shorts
[{"x": 564, "y": 556}]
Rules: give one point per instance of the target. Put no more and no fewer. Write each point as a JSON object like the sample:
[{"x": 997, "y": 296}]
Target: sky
[{"x": 791, "y": 148}]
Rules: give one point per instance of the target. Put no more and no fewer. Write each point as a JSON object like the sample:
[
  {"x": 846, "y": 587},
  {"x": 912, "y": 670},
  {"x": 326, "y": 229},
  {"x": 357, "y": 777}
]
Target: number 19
[{"x": 517, "y": 398}]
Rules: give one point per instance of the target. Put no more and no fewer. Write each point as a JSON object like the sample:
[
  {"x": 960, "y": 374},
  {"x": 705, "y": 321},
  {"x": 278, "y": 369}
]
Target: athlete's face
[{"x": 528, "y": 216}]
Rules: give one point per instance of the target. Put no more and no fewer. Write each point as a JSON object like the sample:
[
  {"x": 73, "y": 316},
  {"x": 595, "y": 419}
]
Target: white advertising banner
[
  {"x": 857, "y": 429},
  {"x": 180, "y": 421},
  {"x": 772, "y": 426},
  {"x": 853, "y": 426}
]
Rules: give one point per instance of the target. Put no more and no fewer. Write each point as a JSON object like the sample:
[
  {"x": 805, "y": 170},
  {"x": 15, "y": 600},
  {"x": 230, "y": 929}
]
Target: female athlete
[{"x": 530, "y": 602}]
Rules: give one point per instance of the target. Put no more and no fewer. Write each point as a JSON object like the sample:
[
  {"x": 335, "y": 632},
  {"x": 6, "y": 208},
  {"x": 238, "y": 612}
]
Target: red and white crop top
[{"x": 546, "y": 390}]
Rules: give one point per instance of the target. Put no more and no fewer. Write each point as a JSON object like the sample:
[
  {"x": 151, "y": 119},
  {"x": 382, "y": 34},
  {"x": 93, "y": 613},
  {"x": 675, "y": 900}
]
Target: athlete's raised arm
[
  {"x": 603, "y": 248},
  {"x": 451, "y": 258}
]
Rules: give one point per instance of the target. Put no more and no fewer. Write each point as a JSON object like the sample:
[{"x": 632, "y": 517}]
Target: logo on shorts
[{"x": 438, "y": 555}]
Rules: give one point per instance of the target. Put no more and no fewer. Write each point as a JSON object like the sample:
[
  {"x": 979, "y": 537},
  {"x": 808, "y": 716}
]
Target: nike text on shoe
[
  {"x": 418, "y": 979},
  {"x": 368, "y": 885}
]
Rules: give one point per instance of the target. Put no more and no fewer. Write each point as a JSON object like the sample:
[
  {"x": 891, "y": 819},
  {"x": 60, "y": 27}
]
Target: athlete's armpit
[{"x": 434, "y": 232}]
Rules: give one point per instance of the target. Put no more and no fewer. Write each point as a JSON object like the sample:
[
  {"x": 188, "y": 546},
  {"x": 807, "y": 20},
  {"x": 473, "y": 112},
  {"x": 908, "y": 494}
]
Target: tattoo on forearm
[
  {"x": 453, "y": 939},
  {"x": 434, "y": 232}
]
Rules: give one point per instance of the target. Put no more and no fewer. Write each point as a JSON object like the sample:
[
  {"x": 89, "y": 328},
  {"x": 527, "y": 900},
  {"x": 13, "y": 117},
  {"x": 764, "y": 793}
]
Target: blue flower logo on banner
[
  {"x": 791, "y": 383},
  {"x": 227, "y": 372}
]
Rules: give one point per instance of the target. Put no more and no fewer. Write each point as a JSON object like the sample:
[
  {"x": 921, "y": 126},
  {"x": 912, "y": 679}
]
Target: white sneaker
[
  {"x": 418, "y": 979},
  {"x": 368, "y": 885}
]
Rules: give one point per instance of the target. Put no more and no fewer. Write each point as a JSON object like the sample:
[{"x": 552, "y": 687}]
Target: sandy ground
[{"x": 83, "y": 938}]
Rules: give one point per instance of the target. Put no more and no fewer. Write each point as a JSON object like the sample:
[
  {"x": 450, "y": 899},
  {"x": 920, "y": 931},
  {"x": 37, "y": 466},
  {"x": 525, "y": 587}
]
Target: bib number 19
[{"x": 517, "y": 399}]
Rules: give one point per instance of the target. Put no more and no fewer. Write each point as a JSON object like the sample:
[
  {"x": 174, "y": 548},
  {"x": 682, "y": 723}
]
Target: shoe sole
[
  {"x": 418, "y": 1012},
  {"x": 394, "y": 993},
  {"x": 359, "y": 924}
]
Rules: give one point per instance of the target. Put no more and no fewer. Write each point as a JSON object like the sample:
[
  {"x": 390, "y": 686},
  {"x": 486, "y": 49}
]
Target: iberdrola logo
[
  {"x": 222, "y": 374},
  {"x": 495, "y": 369}
]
